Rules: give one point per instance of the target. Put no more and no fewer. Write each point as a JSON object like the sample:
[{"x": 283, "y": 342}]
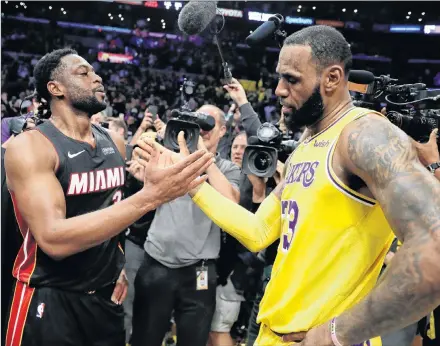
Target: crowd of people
[{"x": 120, "y": 240}]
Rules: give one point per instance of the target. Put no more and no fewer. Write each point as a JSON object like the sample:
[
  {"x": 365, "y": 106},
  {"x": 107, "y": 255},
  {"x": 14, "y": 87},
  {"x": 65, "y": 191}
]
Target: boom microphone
[
  {"x": 196, "y": 16},
  {"x": 361, "y": 77},
  {"x": 366, "y": 77},
  {"x": 265, "y": 30}
]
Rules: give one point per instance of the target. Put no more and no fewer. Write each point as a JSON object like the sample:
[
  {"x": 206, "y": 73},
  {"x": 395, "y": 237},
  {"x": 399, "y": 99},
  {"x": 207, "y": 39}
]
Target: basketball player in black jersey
[{"x": 66, "y": 180}]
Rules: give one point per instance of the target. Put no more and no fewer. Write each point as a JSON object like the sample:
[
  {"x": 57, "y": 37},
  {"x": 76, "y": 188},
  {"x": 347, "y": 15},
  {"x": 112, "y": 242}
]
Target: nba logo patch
[{"x": 40, "y": 310}]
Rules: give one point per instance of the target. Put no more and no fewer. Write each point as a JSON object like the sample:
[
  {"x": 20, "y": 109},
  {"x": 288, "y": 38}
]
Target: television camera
[
  {"x": 261, "y": 155},
  {"x": 411, "y": 107},
  {"x": 187, "y": 121}
]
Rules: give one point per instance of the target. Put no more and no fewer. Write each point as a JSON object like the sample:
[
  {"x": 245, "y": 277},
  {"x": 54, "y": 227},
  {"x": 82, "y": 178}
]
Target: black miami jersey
[{"x": 92, "y": 178}]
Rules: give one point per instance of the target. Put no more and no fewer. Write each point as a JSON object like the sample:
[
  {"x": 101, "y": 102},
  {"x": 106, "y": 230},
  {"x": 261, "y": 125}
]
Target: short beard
[
  {"x": 88, "y": 104},
  {"x": 310, "y": 112}
]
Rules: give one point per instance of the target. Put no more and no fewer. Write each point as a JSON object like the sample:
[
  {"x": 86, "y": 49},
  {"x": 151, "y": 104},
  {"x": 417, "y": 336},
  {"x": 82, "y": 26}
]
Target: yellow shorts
[{"x": 268, "y": 338}]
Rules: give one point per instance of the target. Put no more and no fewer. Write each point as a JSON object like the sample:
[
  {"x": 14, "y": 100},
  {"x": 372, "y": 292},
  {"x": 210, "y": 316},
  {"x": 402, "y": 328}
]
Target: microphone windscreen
[
  {"x": 360, "y": 77},
  {"x": 253, "y": 140},
  {"x": 261, "y": 33},
  {"x": 196, "y": 16}
]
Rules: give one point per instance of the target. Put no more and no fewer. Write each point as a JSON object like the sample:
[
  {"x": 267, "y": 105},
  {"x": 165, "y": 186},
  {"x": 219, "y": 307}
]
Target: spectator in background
[{"x": 118, "y": 126}]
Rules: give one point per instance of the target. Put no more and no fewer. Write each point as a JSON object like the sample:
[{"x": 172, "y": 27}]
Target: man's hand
[
  {"x": 259, "y": 188},
  {"x": 147, "y": 121},
  {"x": 319, "y": 336},
  {"x": 237, "y": 92},
  {"x": 146, "y": 146},
  {"x": 160, "y": 127},
  {"x": 168, "y": 176},
  {"x": 121, "y": 289},
  {"x": 428, "y": 152},
  {"x": 279, "y": 172},
  {"x": 136, "y": 169}
]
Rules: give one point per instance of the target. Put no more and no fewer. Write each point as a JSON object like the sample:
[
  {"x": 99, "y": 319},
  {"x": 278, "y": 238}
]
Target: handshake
[{"x": 167, "y": 175}]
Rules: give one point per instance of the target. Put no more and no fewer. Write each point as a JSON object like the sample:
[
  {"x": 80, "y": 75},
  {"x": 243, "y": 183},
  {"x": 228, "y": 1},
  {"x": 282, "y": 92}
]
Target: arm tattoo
[{"x": 409, "y": 195}]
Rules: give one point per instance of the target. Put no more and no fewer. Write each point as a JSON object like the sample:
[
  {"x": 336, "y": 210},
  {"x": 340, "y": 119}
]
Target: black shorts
[{"x": 46, "y": 316}]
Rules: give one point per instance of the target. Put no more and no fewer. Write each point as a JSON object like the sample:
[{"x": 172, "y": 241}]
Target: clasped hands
[{"x": 155, "y": 165}]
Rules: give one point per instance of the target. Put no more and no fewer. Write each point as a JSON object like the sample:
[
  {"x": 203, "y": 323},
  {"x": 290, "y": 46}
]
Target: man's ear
[
  {"x": 334, "y": 76},
  {"x": 222, "y": 131},
  {"x": 55, "y": 88}
]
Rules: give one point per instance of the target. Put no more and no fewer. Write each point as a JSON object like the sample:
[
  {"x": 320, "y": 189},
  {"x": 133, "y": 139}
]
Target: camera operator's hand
[
  {"x": 200, "y": 144},
  {"x": 147, "y": 121},
  {"x": 160, "y": 127},
  {"x": 279, "y": 172},
  {"x": 237, "y": 92},
  {"x": 259, "y": 188},
  {"x": 428, "y": 152},
  {"x": 121, "y": 289}
]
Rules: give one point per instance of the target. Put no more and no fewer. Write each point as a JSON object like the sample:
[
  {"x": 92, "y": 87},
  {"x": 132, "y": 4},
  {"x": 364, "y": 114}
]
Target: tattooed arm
[{"x": 384, "y": 157}]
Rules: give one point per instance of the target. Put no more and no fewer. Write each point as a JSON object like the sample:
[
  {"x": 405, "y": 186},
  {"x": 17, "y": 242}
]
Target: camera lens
[
  {"x": 262, "y": 161},
  {"x": 187, "y": 133}
]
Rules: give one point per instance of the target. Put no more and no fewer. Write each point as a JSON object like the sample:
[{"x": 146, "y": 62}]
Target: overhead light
[
  {"x": 50, "y": 7},
  {"x": 409, "y": 12},
  {"x": 420, "y": 19},
  {"x": 6, "y": 2},
  {"x": 251, "y": 31},
  {"x": 299, "y": 6},
  {"x": 407, "y": 17},
  {"x": 109, "y": 14},
  {"x": 62, "y": 9},
  {"x": 119, "y": 15},
  {"x": 423, "y": 13},
  {"x": 298, "y": 10},
  {"x": 111, "y": 18},
  {"x": 148, "y": 19},
  {"x": 25, "y": 7},
  {"x": 16, "y": 6},
  {"x": 314, "y": 8},
  {"x": 65, "y": 12},
  {"x": 122, "y": 18},
  {"x": 355, "y": 11},
  {"x": 343, "y": 10}
]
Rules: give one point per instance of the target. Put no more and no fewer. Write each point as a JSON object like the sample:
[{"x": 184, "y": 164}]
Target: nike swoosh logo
[{"x": 71, "y": 156}]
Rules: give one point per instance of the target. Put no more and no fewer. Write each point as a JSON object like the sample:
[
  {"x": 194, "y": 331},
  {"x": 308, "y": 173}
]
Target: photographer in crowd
[
  {"x": 234, "y": 280},
  {"x": 178, "y": 272}
]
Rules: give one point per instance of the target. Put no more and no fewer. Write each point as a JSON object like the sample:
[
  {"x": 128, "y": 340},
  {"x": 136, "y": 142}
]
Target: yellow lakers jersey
[{"x": 333, "y": 240}]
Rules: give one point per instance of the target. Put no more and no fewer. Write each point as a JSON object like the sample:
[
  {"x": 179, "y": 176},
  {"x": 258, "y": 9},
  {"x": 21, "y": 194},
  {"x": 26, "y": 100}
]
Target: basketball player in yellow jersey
[{"x": 356, "y": 177}]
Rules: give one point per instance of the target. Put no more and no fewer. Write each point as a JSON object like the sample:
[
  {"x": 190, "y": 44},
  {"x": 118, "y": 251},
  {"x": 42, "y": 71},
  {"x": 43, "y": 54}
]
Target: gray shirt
[{"x": 181, "y": 234}]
